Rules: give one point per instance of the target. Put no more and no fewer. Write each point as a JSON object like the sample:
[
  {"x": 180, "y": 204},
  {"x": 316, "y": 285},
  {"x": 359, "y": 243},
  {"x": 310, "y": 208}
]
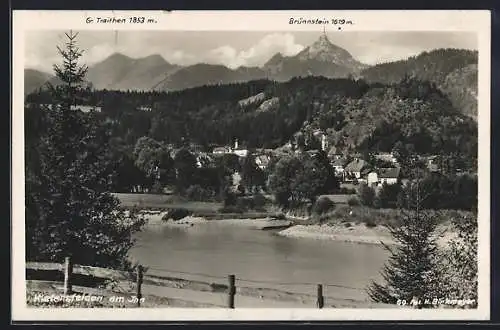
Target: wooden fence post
[
  {"x": 232, "y": 291},
  {"x": 139, "y": 284},
  {"x": 68, "y": 272},
  {"x": 320, "y": 301}
]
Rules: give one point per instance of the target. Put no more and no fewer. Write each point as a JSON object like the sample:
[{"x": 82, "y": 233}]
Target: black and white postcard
[{"x": 260, "y": 165}]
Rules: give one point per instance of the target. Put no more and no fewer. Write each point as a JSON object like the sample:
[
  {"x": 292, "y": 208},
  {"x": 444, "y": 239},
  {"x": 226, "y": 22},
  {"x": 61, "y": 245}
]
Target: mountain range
[{"x": 453, "y": 70}]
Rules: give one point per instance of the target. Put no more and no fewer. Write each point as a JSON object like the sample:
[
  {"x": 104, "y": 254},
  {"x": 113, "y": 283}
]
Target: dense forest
[
  {"x": 355, "y": 115},
  {"x": 454, "y": 71}
]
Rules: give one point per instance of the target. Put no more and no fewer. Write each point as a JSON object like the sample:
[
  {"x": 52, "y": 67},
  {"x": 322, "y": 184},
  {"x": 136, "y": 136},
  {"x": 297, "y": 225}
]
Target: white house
[
  {"x": 85, "y": 108},
  {"x": 389, "y": 175},
  {"x": 262, "y": 161},
  {"x": 322, "y": 137},
  {"x": 355, "y": 168},
  {"x": 383, "y": 175},
  {"x": 433, "y": 163},
  {"x": 203, "y": 160},
  {"x": 239, "y": 151},
  {"x": 372, "y": 178},
  {"x": 221, "y": 150},
  {"x": 386, "y": 156},
  {"x": 144, "y": 108},
  {"x": 339, "y": 165},
  {"x": 236, "y": 180}
]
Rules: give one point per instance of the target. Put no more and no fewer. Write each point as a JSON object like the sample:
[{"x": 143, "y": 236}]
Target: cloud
[
  {"x": 387, "y": 53},
  {"x": 234, "y": 49},
  {"x": 257, "y": 54},
  {"x": 98, "y": 53},
  {"x": 179, "y": 57}
]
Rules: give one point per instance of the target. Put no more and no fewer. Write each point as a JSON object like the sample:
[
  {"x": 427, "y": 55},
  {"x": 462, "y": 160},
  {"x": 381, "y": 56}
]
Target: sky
[{"x": 237, "y": 48}]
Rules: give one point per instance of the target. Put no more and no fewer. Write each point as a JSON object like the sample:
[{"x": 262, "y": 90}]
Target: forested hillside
[
  {"x": 454, "y": 71},
  {"x": 354, "y": 114}
]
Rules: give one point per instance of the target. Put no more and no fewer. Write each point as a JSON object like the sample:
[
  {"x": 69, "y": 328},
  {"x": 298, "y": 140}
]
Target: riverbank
[
  {"x": 356, "y": 233},
  {"x": 191, "y": 221},
  {"x": 336, "y": 229}
]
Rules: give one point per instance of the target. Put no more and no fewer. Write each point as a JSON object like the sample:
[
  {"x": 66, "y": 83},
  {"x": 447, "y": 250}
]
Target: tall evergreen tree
[
  {"x": 411, "y": 273},
  {"x": 460, "y": 261},
  {"x": 69, "y": 208}
]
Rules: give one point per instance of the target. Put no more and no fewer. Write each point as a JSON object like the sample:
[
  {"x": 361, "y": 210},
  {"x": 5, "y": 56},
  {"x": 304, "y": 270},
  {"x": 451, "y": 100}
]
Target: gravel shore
[{"x": 355, "y": 233}]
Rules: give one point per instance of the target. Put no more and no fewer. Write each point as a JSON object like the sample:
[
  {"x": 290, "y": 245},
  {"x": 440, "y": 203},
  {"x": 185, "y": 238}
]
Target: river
[{"x": 210, "y": 251}]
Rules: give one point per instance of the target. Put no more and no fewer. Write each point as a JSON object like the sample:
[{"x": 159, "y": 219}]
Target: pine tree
[
  {"x": 71, "y": 74},
  {"x": 411, "y": 274},
  {"x": 69, "y": 209}
]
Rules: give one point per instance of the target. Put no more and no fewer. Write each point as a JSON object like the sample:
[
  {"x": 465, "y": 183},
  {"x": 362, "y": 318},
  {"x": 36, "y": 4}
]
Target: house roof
[
  {"x": 385, "y": 156},
  {"x": 365, "y": 171},
  {"x": 85, "y": 108},
  {"x": 313, "y": 152},
  {"x": 221, "y": 149},
  {"x": 387, "y": 173},
  {"x": 356, "y": 165},
  {"x": 262, "y": 159}
]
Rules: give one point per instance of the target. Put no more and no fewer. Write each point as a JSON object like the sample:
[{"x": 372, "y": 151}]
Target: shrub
[
  {"x": 353, "y": 201},
  {"x": 198, "y": 193},
  {"x": 259, "y": 200},
  {"x": 366, "y": 195},
  {"x": 280, "y": 216},
  {"x": 256, "y": 202},
  {"x": 347, "y": 191},
  {"x": 229, "y": 198},
  {"x": 157, "y": 188},
  {"x": 176, "y": 214},
  {"x": 370, "y": 223},
  {"x": 231, "y": 209},
  {"x": 243, "y": 204},
  {"x": 323, "y": 205}
]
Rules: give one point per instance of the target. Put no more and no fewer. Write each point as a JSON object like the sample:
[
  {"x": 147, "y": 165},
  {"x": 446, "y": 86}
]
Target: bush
[
  {"x": 176, "y": 214},
  {"x": 243, "y": 204},
  {"x": 157, "y": 188},
  {"x": 347, "y": 191},
  {"x": 353, "y": 201},
  {"x": 370, "y": 223},
  {"x": 231, "y": 209},
  {"x": 259, "y": 201},
  {"x": 256, "y": 202},
  {"x": 198, "y": 193},
  {"x": 229, "y": 198},
  {"x": 323, "y": 205},
  {"x": 366, "y": 195}
]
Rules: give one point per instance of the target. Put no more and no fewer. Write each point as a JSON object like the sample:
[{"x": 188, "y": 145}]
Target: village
[{"x": 350, "y": 169}]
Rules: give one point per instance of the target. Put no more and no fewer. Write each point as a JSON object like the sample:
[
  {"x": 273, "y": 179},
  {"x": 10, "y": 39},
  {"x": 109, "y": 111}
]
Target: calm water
[{"x": 211, "y": 251}]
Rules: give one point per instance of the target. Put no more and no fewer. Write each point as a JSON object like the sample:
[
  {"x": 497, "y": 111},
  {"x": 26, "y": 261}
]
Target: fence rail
[{"x": 71, "y": 272}]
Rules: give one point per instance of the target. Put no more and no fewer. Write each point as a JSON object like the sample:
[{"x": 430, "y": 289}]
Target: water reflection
[{"x": 259, "y": 255}]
